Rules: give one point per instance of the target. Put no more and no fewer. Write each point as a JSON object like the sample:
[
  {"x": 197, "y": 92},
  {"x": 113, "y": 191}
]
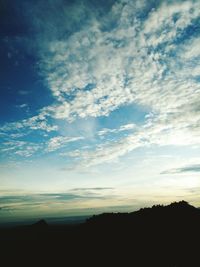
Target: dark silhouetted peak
[
  {"x": 181, "y": 205},
  {"x": 174, "y": 212},
  {"x": 40, "y": 224}
]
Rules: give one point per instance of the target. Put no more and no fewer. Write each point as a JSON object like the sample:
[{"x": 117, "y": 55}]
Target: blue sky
[{"x": 99, "y": 105}]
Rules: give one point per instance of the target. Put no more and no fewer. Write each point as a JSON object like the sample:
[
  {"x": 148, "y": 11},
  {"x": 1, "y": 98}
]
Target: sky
[{"x": 99, "y": 106}]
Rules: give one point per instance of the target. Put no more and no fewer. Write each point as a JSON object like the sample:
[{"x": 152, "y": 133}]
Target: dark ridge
[
  {"x": 40, "y": 224},
  {"x": 157, "y": 212},
  {"x": 160, "y": 236}
]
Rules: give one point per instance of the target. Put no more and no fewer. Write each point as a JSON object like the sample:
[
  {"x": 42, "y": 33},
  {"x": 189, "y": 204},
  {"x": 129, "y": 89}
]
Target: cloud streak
[
  {"x": 185, "y": 169},
  {"x": 45, "y": 201},
  {"x": 60, "y": 141}
]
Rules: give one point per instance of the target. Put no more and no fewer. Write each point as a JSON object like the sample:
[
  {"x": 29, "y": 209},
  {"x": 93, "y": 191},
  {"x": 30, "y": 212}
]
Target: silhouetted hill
[
  {"x": 41, "y": 224},
  {"x": 174, "y": 212},
  {"x": 164, "y": 236}
]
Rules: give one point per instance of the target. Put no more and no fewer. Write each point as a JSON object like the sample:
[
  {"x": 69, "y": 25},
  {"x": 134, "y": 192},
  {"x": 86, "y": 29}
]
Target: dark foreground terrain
[{"x": 164, "y": 236}]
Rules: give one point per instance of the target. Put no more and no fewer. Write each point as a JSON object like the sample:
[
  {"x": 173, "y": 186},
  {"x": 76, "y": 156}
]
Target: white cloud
[
  {"x": 59, "y": 141},
  {"x": 38, "y": 122},
  {"x": 21, "y": 148},
  {"x": 118, "y": 62},
  {"x": 161, "y": 25},
  {"x": 126, "y": 127},
  {"x": 109, "y": 151},
  {"x": 139, "y": 60},
  {"x": 23, "y": 105},
  {"x": 191, "y": 49},
  {"x": 152, "y": 134}
]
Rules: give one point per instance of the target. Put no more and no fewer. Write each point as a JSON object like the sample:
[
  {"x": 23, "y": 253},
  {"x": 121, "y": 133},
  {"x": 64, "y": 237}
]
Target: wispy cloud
[
  {"x": 21, "y": 148},
  {"x": 126, "y": 127},
  {"x": 60, "y": 141},
  {"x": 184, "y": 169},
  {"x": 45, "y": 200},
  {"x": 92, "y": 188},
  {"x": 22, "y": 106}
]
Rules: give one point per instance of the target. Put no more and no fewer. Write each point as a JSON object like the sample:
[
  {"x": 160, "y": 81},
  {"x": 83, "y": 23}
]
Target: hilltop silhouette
[
  {"x": 41, "y": 224},
  {"x": 164, "y": 236}
]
